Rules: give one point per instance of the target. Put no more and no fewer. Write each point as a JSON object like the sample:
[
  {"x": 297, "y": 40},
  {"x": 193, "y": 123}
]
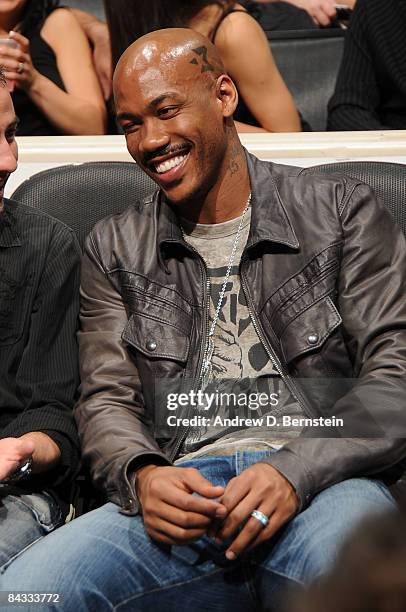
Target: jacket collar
[
  {"x": 269, "y": 219},
  {"x": 8, "y": 226}
]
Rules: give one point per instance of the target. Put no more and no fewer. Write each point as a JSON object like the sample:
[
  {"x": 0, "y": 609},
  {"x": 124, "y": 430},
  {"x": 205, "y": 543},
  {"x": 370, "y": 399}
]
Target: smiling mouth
[{"x": 169, "y": 164}]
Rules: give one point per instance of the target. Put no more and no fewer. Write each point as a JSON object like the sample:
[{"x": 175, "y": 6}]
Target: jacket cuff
[
  {"x": 292, "y": 468},
  {"x": 131, "y": 505}
]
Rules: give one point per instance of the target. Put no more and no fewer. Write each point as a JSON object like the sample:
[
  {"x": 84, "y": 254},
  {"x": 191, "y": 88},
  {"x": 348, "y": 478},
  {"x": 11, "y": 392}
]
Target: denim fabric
[
  {"x": 24, "y": 519},
  {"x": 105, "y": 560}
]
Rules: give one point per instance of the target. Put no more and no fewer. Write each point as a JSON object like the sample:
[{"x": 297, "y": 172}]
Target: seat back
[
  {"x": 387, "y": 179},
  {"x": 80, "y": 195},
  {"x": 308, "y": 61},
  {"x": 94, "y": 7}
]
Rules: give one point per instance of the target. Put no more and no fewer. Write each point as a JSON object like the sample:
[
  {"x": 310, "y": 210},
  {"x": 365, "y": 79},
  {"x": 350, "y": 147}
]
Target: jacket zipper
[
  {"x": 206, "y": 301},
  {"x": 206, "y": 343},
  {"x": 297, "y": 394}
]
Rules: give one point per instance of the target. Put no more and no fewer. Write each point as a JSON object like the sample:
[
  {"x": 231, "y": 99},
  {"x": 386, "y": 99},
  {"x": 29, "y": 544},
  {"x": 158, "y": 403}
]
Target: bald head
[{"x": 181, "y": 53}]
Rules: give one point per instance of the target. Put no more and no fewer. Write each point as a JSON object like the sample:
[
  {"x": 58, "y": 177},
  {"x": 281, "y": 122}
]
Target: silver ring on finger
[
  {"x": 261, "y": 517},
  {"x": 20, "y": 68}
]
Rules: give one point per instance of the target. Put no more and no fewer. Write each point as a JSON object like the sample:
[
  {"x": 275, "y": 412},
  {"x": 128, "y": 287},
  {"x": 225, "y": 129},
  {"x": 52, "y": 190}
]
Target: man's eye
[
  {"x": 10, "y": 136},
  {"x": 130, "y": 127},
  {"x": 167, "y": 111}
]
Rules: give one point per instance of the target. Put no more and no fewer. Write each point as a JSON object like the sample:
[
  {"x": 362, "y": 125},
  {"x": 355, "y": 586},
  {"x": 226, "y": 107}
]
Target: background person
[
  {"x": 39, "y": 287},
  {"x": 369, "y": 574},
  {"x": 56, "y": 90},
  {"x": 370, "y": 92}
]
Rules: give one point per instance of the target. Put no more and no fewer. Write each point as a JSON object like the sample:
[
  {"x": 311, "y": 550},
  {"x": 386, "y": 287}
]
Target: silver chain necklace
[{"x": 207, "y": 364}]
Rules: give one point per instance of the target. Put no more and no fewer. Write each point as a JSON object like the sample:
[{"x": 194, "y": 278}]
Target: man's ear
[{"x": 226, "y": 93}]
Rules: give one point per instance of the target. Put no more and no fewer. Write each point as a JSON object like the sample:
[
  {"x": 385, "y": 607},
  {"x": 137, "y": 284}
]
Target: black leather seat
[
  {"x": 308, "y": 61},
  {"x": 80, "y": 195}
]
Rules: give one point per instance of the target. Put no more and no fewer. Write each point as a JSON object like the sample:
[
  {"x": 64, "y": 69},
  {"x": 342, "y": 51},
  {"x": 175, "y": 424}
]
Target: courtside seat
[
  {"x": 95, "y": 7},
  {"x": 308, "y": 61},
  {"x": 80, "y": 195}
]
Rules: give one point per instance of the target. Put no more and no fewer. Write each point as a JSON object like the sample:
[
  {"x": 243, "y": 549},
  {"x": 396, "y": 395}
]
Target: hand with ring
[
  {"x": 17, "y": 63},
  {"x": 261, "y": 500}
]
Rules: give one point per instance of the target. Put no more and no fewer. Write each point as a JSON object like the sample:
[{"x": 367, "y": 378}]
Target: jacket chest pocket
[
  {"x": 309, "y": 329},
  {"x": 156, "y": 339},
  {"x": 13, "y": 300},
  {"x": 160, "y": 351},
  {"x": 159, "y": 337},
  {"x": 301, "y": 312}
]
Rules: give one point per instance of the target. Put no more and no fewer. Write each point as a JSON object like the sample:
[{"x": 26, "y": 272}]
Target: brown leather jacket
[{"x": 324, "y": 274}]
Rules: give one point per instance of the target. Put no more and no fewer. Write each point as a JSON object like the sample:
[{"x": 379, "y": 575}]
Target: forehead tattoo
[{"x": 203, "y": 62}]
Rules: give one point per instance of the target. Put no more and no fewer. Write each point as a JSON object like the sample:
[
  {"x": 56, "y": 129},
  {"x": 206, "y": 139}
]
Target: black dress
[{"x": 33, "y": 122}]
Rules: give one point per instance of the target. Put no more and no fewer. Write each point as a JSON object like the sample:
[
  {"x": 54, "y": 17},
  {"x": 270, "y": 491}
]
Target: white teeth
[{"x": 169, "y": 164}]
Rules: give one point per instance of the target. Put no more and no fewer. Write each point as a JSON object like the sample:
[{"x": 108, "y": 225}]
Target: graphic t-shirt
[{"x": 241, "y": 366}]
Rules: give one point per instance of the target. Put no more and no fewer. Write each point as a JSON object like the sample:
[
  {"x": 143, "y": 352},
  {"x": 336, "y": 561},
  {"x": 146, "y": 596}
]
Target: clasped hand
[{"x": 173, "y": 515}]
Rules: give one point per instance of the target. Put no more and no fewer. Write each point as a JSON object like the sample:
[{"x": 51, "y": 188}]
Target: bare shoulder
[
  {"x": 236, "y": 27},
  {"x": 57, "y": 23}
]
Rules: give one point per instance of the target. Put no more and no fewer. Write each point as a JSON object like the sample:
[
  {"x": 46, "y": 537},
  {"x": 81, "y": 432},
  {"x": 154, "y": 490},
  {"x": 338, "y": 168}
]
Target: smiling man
[
  {"x": 39, "y": 286},
  {"x": 239, "y": 272}
]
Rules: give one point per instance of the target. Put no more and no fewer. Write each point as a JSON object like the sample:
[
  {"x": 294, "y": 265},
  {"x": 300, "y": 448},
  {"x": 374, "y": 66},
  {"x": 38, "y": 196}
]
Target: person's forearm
[
  {"x": 245, "y": 127},
  {"x": 69, "y": 114},
  {"x": 46, "y": 454},
  {"x": 91, "y": 25}
]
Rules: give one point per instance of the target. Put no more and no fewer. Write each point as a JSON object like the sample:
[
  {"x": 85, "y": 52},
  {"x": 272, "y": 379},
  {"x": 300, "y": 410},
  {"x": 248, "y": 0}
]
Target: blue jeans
[
  {"x": 106, "y": 561},
  {"x": 24, "y": 519}
]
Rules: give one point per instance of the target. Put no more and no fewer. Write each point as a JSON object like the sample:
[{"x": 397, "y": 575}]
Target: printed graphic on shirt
[
  {"x": 238, "y": 351},
  {"x": 240, "y": 365}
]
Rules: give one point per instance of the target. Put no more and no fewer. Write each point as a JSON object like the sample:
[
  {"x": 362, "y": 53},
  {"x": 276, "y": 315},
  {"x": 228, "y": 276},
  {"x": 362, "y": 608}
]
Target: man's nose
[
  {"x": 153, "y": 136},
  {"x": 8, "y": 156}
]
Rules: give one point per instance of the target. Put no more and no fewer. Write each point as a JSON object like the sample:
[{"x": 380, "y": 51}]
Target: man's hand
[
  {"x": 172, "y": 514},
  {"x": 17, "y": 63},
  {"x": 321, "y": 11},
  {"x": 14, "y": 452},
  {"x": 259, "y": 487}
]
